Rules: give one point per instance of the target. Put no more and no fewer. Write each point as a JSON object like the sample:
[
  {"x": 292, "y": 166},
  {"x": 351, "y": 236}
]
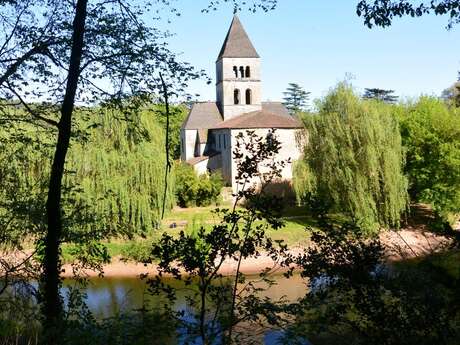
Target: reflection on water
[{"x": 109, "y": 296}]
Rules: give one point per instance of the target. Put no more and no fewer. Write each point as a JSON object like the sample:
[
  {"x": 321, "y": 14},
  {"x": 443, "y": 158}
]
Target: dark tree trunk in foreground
[{"x": 52, "y": 304}]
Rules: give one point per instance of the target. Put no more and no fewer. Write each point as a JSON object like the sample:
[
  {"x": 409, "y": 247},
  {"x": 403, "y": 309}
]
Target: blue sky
[{"x": 316, "y": 43}]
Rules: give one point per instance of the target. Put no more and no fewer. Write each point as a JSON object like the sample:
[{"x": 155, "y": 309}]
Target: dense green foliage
[
  {"x": 353, "y": 159},
  {"x": 430, "y": 132},
  {"x": 24, "y": 158},
  {"x": 194, "y": 190},
  {"x": 114, "y": 178},
  {"x": 353, "y": 298},
  {"x": 121, "y": 170}
]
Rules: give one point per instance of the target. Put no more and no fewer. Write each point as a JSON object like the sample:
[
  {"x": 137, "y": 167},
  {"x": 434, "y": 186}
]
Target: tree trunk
[
  {"x": 52, "y": 303},
  {"x": 168, "y": 163}
]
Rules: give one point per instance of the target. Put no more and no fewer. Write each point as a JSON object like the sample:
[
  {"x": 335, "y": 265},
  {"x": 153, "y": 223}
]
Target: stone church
[{"x": 208, "y": 135}]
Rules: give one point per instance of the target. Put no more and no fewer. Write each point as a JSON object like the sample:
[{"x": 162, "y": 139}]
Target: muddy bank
[{"x": 400, "y": 245}]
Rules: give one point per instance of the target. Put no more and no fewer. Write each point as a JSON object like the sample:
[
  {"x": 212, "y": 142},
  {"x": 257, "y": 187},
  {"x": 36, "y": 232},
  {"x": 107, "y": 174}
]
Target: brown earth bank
[
  {"x": 124, "y": 269},
  {"x": 400, "y": 245},
  {"x": 413, "y": 240}
]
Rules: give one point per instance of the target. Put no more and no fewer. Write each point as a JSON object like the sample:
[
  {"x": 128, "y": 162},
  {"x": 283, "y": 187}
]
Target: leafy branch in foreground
[
  {"x": 222, "y": 307},
  {"x": 355, "y": 297},
  {"x": 67, "y": 53},
  {"x": 382, "y": 12}
]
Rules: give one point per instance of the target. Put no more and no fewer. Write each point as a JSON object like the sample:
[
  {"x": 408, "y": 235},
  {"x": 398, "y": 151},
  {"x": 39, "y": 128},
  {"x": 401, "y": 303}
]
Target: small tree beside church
[{"x": 296, "y": 98}]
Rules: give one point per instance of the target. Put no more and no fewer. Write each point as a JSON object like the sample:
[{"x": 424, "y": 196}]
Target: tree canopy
[
  {"x": 353, "y": 159},
  {"x": 380, "y": 95},
  {"x": 452, "y": 93},
  {"x": 112, "y": 184},
  {"x": 430, "y": 132}
]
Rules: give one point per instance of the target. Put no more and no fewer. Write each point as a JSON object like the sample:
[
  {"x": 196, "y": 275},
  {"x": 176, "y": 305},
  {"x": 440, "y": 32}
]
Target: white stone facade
[
  {"x": 232, "y": 77},
  {"x": 188, "y": 143},
  {"x": 290, "y": 151}
]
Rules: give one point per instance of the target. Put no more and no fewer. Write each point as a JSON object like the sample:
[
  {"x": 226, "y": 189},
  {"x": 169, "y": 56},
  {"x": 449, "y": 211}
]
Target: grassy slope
[{"x": 294, "y": 232}]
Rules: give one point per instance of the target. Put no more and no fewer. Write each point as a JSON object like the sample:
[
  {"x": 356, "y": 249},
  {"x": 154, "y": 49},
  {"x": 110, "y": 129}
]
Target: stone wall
[
  {"x": 289, "y": 149},
  {"x": 188, "y": 143},
  {"x": 227, "y": 83},
  {"x": 225, "y": 152}
]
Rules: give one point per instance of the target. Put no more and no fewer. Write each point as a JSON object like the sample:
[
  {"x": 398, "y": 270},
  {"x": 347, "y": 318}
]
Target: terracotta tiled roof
[
  {"x": 275, "y": 108},
  {"x": 203, "y": 136},
  {"x": 207, "y": 115},
  {"x": 203, "y": 115},
  {"x": 260, "y": 119},
  {"x": 196, "y": 160},
  {"x": 237, "y": 43}
]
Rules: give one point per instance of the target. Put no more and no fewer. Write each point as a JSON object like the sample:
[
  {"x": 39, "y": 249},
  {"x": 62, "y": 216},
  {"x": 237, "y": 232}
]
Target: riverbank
[
  {"x": 127, "y": 269},
  {"x": 401, "y": 245}
]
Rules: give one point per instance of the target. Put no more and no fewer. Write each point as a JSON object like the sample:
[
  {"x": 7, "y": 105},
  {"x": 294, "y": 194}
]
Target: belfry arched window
[
  {"x": 236, "y": 96},
  {"x": 241, "y": 71},
  {"x": 248, "y": 72},
  {"x": 235, "y": 70},
  {"x": 248, "y": 96}
]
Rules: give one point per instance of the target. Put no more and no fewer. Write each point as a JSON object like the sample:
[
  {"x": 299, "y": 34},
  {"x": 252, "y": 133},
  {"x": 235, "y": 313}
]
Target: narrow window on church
[
  {"x": 248, "y": 72},
  {"x": 236, "y": 96},
  {"x": 248, "y": 96},
  {"x": 242, "y": 72},
  {"x": 235, "y": 70},
  {"x": 220, "y": 143},
  {"x": 225, "y": 144}
]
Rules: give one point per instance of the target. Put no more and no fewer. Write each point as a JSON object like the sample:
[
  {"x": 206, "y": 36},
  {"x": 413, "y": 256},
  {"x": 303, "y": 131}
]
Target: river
[{"x": 108, "y": 297}]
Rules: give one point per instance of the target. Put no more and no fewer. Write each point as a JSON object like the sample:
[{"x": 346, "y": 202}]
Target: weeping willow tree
[
  {"x": 120, "y": 170},
  {"x": 114, "y": 178},
  {"x": 353, "y": 159},
  {"x": 24, "y": 152}
]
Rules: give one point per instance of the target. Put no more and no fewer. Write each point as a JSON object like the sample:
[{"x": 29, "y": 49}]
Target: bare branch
[{"x": 31, "y": 111}]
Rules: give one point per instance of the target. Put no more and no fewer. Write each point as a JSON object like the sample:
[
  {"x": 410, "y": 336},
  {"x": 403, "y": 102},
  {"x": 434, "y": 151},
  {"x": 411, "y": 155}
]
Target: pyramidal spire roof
[{"x": 237, "y": 43}]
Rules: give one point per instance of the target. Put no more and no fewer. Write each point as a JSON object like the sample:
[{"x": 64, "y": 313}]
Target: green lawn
[{"x": 294, "y": 232}]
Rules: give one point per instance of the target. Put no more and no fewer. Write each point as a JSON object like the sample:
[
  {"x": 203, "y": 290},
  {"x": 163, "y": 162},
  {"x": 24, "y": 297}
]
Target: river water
[{"x": 108, "y": 297}]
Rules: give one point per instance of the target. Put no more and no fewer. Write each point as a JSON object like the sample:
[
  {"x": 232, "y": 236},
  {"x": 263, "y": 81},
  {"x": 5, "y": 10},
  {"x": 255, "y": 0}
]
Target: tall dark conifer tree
[
  {"x": 296, "y": 98},
  {"x": 380, "y": 95}
]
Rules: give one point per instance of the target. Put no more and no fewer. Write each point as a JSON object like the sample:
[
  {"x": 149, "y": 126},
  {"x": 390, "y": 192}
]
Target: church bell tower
[{"x": 238, "y": 84}]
